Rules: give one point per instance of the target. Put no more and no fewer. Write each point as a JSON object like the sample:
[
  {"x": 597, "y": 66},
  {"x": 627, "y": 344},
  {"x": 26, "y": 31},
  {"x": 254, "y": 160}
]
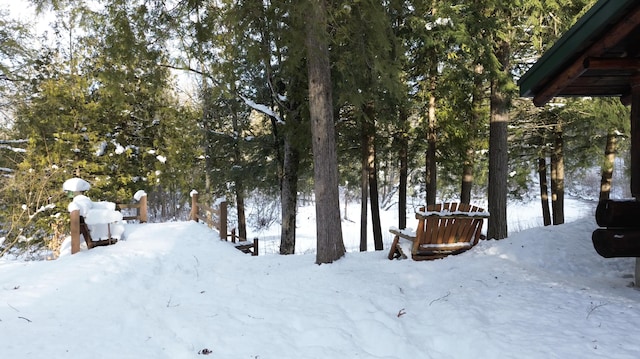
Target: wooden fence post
[
  {"x": 75, "y": 231},
  {"x": 142, "y": 211},
  {"x": 255, "y": 247},
  {"x": 223, "y": 220},
  {"x": 194, "y": 206}
]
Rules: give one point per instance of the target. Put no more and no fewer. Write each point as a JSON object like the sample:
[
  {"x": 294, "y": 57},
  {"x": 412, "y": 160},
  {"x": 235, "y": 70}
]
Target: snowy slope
[{"x": 173, "y": 290}]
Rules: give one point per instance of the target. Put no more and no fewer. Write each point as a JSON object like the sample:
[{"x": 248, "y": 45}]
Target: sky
[
  {"x": 23, "y": 10},
  {"x": 174, "y": 290}
]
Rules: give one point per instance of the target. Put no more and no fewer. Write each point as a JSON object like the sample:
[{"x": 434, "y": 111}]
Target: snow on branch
[
  {"x": 14, "y": 149},
  {"x": 262, "y": 108}
]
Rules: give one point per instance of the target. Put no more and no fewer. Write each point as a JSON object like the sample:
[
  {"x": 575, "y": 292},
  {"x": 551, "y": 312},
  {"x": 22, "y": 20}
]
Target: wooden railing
[
  {"x": 140, "y": 207},
  {"x": 217, "y": 218},
  {"x": 213, "y": 217}
]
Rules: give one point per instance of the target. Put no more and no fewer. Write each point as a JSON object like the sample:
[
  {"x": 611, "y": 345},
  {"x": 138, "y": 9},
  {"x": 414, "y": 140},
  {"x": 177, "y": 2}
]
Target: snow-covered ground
[{"x": 173, "y": 290}]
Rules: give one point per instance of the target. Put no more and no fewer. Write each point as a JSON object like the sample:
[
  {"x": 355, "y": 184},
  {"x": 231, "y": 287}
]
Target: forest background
[{"x": 170, "y": 96}]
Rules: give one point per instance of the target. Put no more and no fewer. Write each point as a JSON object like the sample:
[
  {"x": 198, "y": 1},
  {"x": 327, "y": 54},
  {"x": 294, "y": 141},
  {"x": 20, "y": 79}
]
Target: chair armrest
[{"x": 403, "y": 233}]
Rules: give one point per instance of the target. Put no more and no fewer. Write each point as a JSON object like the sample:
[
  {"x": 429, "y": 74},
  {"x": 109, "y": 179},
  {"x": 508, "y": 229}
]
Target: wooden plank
[
  {"x": 128, "y": 205},
  {"x": 607, "y": 63},
  {"x": 420, "y": 231},
  {"x": 619, "y": 242},
  {"x": 449, "y": 225},
  {"x": 402, "y": 234},
  {"x": 395, "y": 251},
  {"x": 452, "y": 215}
]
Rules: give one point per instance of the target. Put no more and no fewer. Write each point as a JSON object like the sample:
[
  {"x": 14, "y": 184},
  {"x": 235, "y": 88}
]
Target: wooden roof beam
[
  {"x": 623, "y": 64},
  {"x": 571, "y": 73}
]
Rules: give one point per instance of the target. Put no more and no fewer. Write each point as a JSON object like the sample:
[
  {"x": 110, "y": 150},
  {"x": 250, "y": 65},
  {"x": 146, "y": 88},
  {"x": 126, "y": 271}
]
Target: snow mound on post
[
  {"x": 76, "y": 185},
  {"x": 138, "y": 195}
]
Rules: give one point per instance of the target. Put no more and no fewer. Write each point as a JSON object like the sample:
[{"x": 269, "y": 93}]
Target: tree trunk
[
  {"x": 364, "y": 186},
  {"x": 544, "y": 191},
  {"x": 330, "y": 246},
  {"x": 239, "y": 184},
  {"x": 242, "y": 220},
  {"x": 498, "y": 148},
  {"x": 289, "y": 197},
  {"x": 403, "y": 153},
  {"x": 476, "y": 118},
  {"x": 467, "y": 177},
  {"x": 431, "y": 165},
  {"x": 372, "y": 170},
  {"x": 557, "y": 178},
  {"x": 208, "y": 150},
  {"x": 607, "y": 166}
]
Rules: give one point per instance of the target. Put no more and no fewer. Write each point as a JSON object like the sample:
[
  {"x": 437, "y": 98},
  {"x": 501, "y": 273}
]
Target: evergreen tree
[{"x": 330, "y": 246}]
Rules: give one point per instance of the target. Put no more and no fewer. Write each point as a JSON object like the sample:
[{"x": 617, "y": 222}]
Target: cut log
[
  {"x": 617, "y": 242},
  {"x": 617, "y": 213}
]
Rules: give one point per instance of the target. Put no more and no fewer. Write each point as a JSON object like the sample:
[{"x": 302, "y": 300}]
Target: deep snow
[{"x": 173, "y": 290}]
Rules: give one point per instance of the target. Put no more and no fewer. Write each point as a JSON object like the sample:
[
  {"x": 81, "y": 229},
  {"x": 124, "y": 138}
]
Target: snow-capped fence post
[
  {"x": 194, "y": 206},
  {"x": 143, "y": 209}
]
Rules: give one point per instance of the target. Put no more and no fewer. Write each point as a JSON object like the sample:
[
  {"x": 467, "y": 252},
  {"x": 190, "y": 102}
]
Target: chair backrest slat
[{"x": 446, "y": 227}]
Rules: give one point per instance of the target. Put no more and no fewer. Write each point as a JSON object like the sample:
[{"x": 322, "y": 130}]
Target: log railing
[{"x": 217, "y": 218}]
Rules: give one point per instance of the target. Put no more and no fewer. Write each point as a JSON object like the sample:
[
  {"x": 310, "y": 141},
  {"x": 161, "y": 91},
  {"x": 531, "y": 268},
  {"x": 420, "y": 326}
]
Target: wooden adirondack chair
[{"x": 443, "y": 229}]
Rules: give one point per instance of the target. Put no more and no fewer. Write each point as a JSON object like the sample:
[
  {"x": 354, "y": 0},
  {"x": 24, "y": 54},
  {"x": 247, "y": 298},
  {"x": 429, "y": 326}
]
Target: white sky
[{"x": 20, "y": 9}]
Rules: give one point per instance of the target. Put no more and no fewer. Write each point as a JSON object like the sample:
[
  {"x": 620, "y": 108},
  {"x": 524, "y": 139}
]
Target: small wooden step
[{"x": 248, "y": 247}]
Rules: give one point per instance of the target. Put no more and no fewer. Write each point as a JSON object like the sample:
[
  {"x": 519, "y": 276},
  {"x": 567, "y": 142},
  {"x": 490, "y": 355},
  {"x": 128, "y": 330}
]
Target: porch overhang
[{"x": 598, "y": 56}]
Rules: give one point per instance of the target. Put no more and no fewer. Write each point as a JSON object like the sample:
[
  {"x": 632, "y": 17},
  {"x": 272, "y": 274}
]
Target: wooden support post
[
  {"x": 223, "y": 220},
  {"x": 635, "y": 154},
  {"x": 255, "y": 247},
  {"x": 142, "y": 211},
  {"x": 75, "y": 231},
  {"x": 233, "y": 235},
  {"x": 635, "y": 137},
  {"x": 194, "y": 207},
  {"x": 637, "y": 274}
]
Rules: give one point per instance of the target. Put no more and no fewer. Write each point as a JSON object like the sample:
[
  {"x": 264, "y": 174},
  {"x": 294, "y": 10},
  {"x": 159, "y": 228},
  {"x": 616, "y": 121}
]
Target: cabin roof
[{"x": 596, "y": 57}]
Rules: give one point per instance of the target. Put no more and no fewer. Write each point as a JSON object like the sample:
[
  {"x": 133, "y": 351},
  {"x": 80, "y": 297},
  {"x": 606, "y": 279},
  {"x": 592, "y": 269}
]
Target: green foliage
[
  {"x": 100, "y": 104},
  {"x": 32, "y": 211},
  {"x": 15, "y": 53}
]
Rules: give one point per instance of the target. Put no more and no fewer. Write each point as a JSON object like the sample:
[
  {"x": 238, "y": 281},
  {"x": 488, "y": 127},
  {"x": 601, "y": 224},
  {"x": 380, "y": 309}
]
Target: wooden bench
[
  {"x": 443, "y": 229},
  {"x": 97, "y": 222},
  {"x": 84, "y": 230}
]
